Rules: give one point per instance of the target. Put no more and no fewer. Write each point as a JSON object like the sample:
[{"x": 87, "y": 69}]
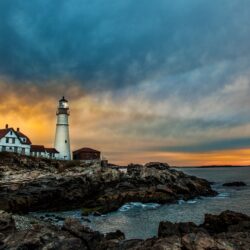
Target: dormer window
[{"x": 24, "y": 139}]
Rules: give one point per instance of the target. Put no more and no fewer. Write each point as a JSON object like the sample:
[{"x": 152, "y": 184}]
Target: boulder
[
  {"x": 90, "y": 238},
  {"x": 7, "y": 223},
  {"x": 41, "y": 235},
  {"x": 224, "y": 221},
  {"x": 167, "y": 229},
  {"x": 117, "y": 235},
  {"x": 226, "y": 231},
  {"x": 235, "y": 184},
  {"x": 157, "y": 165}
]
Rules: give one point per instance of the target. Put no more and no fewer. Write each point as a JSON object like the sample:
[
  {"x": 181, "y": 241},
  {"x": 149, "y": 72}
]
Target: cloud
[
  {"x": 143, "y": 78},
  {"x": 238, "y": 143},
  {"x": 134, "y": 127},
  {"x": 121, "y": 43}
]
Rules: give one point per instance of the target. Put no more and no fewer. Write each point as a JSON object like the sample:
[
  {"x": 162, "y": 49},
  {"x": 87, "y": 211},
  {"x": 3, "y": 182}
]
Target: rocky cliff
[{"x": 30, "y": 184}]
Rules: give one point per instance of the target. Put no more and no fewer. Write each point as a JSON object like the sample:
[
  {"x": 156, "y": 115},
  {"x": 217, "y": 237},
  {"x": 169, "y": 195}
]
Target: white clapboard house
[{"x": 15, "y": 141}]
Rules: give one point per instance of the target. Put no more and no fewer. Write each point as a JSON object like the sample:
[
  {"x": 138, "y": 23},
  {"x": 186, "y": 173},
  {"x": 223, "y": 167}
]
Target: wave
[
  {"x": 223, "y": 195},
  {"x": 191, "y": 202},
  {"x": 180, "y": 202},
  {"x": 139, "y": 205}
]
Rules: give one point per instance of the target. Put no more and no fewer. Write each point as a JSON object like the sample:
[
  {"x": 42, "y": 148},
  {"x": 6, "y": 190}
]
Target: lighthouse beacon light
[{"x": 62, "y": 138}]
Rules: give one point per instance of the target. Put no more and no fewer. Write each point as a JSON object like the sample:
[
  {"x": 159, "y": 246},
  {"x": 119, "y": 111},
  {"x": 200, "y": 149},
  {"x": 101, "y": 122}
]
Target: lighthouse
[{"x": 62, "y": 141}]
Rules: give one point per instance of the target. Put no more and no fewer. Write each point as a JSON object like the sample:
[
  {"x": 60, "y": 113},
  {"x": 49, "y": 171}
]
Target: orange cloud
[
  {"x": 99, "y": 122},
  {"x": 227, "y": 157}
]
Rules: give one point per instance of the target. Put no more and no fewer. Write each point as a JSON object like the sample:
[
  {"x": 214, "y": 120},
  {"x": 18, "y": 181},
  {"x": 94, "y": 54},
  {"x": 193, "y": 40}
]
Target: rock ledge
[{"x": 31, "y": 184}]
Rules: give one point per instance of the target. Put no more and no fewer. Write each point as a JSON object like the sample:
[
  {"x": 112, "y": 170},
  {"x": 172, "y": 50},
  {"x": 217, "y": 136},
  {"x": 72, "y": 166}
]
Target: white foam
[
  {"x": 180, "y": 202},
  {"x": 192, "y": 202},
  {"x": 138, "y": 205},
  {"x": 223, "y": 195}
]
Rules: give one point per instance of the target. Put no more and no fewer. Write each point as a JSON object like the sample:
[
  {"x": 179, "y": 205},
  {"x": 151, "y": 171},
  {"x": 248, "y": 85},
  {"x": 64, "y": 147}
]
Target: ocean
[{"x": 139, "y": 220}]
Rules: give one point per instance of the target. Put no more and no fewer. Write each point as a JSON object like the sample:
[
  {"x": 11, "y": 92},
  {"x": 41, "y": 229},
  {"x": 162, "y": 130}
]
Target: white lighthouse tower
[{"x": 62, "y": 141}]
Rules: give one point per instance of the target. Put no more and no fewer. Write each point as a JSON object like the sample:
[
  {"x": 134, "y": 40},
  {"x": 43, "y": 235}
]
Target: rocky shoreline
[
  {"x": 227, "y": 231},
  {"x": 31, "y": 184}
]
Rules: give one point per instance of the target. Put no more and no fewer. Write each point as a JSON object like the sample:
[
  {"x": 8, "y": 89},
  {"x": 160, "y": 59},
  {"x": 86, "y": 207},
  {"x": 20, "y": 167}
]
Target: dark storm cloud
[{"x": 111, "y": 44}]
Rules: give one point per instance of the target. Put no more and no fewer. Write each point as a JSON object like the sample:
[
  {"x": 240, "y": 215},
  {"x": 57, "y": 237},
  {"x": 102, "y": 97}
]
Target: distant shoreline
[{"x": 213, "y": 166}]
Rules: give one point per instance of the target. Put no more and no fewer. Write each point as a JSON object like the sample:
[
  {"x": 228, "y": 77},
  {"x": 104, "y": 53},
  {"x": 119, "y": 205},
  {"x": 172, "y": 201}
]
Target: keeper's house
[{"x": 15, "y": 141}]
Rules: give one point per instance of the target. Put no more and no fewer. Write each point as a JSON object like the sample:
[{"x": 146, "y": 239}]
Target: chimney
[
  {"x": 7, "y": 126},
  {"x": 18, "y": 129}
]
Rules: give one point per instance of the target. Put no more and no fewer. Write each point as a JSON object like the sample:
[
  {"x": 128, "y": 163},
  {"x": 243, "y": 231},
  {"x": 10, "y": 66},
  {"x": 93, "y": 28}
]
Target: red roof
[
  {"x": 37, "y": 148},
  {"x": 20, "y": 134},
  {"x": 51, "y": 150},
  {"x": 88, "y": 150},
  {"x": 4, "y": 132}
]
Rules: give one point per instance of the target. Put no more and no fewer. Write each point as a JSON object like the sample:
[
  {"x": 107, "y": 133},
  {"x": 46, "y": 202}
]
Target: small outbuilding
[
  {"x": 37, "y": 151},
  {"x": 52, "y": 153},
  {"x": 41, "y": 151},
  {"x": 87, "y": 154}
]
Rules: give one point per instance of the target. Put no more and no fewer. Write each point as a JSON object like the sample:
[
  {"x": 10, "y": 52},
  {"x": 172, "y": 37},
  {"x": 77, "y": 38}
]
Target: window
[
  {"x": 3, "y": 148},
  {"x": 24, "y": 139},
  {"x": 7, "y": 140},
  {"x": 11, "y": 132},
  {"x": 13, "y": 140},
  {"x": 66, "y": 141}
]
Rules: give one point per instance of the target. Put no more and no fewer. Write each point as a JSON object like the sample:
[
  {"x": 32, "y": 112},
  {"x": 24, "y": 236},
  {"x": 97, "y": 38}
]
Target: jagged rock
[
  {"x": 226, "y": 221},
  {"x": 226, "y": 231},
  {"x": 157, "y": 165},
  {"x": 179, "y": 236},
  {"x": 235, "y": 184},
  {"x": 91, "y": 239},
  {"x": 43, "y": 235},
  {"x": 130, "y": 244},
  {"x": 39, "y": 236},
  {"x": 31, "y": 184},
  {"x": 7, "y": 227},
  {"x": 167, "y": 229},
  {"x": 7, "y": 223},
  {"x": 118, "y": 235},
  {"x": 203, "y": 241}
]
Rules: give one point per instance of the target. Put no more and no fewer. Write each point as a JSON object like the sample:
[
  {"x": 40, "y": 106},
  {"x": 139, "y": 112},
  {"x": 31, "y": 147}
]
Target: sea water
[{"x": 139, "y": 220}]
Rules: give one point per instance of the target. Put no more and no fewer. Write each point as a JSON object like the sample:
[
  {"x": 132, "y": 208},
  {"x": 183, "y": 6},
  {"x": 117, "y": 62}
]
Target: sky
[{"x": 146, "y": 80}]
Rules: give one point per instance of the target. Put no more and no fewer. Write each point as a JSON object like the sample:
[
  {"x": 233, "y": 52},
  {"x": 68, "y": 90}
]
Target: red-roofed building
[
  {"x": 87, "y": 154},
  {"x": 41, "y": 151},
  {"x": 15, "y": 141},
  {"x": 37, "y": 151},
  {"x": 52, "y": 153}
]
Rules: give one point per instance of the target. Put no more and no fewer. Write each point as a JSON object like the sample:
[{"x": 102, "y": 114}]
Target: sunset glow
[{"x": 99, "y": 122}]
